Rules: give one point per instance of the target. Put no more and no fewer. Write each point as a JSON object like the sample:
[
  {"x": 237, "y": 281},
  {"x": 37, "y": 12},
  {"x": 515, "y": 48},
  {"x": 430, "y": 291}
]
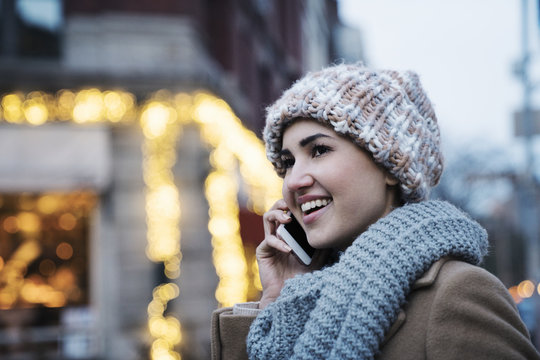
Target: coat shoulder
[
  {"x": 229, "y": 333},
  {"x": 463, "y": 275},
  {"x": 457, "y": 308},
  {"x": 473, "y": 313}
]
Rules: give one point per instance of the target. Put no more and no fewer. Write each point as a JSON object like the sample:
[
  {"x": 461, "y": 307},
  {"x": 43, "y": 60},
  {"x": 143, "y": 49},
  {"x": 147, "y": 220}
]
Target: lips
[{"x": 314, "y": 205}]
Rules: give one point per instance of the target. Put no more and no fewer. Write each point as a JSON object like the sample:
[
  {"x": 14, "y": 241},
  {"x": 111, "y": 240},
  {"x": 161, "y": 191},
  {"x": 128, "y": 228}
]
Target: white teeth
[{"x": 314, "y": 204}]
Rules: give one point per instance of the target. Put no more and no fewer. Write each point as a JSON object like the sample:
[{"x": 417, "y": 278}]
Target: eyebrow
[
  {"x": 312, "y": 138},
  {"x": 304, "y": 142}
]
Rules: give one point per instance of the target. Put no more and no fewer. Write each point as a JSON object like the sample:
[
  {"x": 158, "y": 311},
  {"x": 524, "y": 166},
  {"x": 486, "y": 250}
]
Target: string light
[
  {"x": 161, "y": 130},
  {"x": 237, "y": 154},
  {"x": 234, "y": 146},
  {"x": 85, "y": 106},
  {"x": 219, "y": 126}
]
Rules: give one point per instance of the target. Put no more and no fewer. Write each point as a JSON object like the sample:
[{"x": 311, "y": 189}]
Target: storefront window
[{"x": 44, "y": 241}]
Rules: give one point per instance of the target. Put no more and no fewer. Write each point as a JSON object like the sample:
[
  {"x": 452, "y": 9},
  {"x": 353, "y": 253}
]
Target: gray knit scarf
[{"x": 344, "y": 310}]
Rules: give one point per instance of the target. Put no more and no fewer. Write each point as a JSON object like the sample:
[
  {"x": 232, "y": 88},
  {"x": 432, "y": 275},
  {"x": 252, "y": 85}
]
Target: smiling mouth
[{"x": 314, "y": 205}]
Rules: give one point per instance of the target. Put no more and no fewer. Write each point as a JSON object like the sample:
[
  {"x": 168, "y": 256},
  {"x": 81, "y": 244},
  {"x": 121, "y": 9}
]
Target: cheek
[{"x": 361, "y": 187}]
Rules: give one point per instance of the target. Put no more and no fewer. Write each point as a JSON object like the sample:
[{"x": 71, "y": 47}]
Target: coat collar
[
  {"x": 426, "y": 280},
  {"x": 429, "y": 276}
]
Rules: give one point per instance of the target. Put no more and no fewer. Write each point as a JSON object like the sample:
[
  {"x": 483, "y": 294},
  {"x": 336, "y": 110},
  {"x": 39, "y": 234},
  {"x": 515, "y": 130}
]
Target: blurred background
[{"x": 133, "y": 177}]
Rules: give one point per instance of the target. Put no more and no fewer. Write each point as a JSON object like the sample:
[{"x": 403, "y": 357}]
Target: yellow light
[
  {"x": 31, "y": 292},
  {"x": 155, "y": 308},
  {"x": 514, "y": 292},
  {"x": 222, "y": 158},
  {"x": 64, "y": 251},
  {"x": 35, "y": 113},
  {"x": 65, "y": 104},
  {"x": 7, "y": 299},
  {"x": 29, "y": 222},
  {"x": 163, "y": 200},
  {"x": 167, "y": 329},
  {"x": 116, "y": 105},
  {"x": 184, "y": 107},
  {"x": 161, "y": 350},
  {"x": 234, "y": 148},
  {"x": 168, "y": 291},
  {"x": 160, "y": 129},
  {"x": 525, "y": 289},
  {"x": 172, "y": 267},
  {"x": 55, "y": 299},
  {"x": 220, "y": 184},
  {"x": 11, "y": 224},
  {"x": 12, "y": 105},
  {"x": 155, "y": 119},
  {"x": 223, "y": 226},
  {"x": 26, "y": 252},
  {"x": 173, "y": 335},
  {"x": 172, "y": 273},
  {"x": 67, "y": 222},
  {"x": 256, "y": 278},
  {"x": 26, "y": 202},
  {"x": 88, "y": 106},
  {"x": 48, "y": 204},
  {"x": 232, "y": 142},
  {"x": 157, "y": 326}
]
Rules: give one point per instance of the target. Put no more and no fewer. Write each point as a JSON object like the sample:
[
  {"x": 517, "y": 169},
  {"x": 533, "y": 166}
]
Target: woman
[{"x": 394, "y": 275}]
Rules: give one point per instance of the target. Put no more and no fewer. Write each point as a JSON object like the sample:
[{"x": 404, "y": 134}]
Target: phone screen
[{"x": 296, "y": 231}]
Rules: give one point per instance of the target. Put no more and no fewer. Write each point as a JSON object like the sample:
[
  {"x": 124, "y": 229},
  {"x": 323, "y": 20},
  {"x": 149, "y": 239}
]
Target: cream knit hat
[{"x": 387, "y": 113}]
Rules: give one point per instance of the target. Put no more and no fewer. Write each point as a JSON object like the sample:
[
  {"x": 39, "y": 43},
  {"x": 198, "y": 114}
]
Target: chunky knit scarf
[{"x": 344, "y": 310}]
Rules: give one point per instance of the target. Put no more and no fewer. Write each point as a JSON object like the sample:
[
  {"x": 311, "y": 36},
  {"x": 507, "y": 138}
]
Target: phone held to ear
[{"x": 293, "y": 234}]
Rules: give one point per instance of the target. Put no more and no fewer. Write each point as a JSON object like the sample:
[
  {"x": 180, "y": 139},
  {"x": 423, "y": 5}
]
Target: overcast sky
[{"x": 464, "y": 52}]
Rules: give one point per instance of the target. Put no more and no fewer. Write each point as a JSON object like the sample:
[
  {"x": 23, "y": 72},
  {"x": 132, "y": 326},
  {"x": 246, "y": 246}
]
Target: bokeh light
[
  {"x": 64, "y": 251},
  {"x": 47, "y": 267},
  {"x": 67, "y": 221},
  {"x": 11, "y": 224},
  {"x": 235, "y": 150},
  {"x": 82, "y": 107},
  {"x": 31, "y": 275},
  {"x": 233, "y": 147},
  {"x": 29, "y": 222},
  {"x": 525, "y": 289}
]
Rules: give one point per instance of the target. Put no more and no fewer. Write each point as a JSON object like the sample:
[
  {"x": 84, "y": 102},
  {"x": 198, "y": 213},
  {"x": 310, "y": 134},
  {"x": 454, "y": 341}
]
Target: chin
[
  {"x": 317, "y": 243},
  {"x": 321, "y": 242}
]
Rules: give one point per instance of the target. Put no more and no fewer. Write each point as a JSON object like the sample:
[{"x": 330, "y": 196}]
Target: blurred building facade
[{"x": 101, "y": 101}]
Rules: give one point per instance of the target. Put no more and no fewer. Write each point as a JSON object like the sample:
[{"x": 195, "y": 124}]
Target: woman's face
[{"x": 332, "y": 187}]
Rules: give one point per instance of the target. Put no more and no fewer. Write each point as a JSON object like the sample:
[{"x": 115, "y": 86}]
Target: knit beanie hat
[{"x": 386, "y": 113}]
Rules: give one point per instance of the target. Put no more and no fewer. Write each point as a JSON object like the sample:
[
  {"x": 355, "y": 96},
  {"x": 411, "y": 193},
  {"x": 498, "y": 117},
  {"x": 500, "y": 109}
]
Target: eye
[
  {"x": 287, "y": 161},
  {"x": 319, "y": 150}
]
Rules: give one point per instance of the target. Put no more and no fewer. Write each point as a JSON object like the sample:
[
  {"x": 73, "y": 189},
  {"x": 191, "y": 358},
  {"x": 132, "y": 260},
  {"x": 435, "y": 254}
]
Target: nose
[{"x": 298, "y": 178}]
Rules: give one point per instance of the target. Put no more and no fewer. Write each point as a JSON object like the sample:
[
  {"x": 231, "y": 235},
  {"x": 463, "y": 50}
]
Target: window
[
  {"x": 30, "y": 28},
  {"x": 43, "y": 267}
]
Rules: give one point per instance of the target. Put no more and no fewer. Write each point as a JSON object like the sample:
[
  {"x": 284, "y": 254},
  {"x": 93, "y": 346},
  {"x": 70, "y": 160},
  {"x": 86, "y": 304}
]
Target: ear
[{"x": 391, "y": 180}]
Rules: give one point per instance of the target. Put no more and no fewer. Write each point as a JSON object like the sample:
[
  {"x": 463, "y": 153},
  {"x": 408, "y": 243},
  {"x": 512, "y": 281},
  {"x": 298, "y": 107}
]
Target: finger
[
  {"x": 272, "y": 219},
  {"x": 270, "y": 244}
]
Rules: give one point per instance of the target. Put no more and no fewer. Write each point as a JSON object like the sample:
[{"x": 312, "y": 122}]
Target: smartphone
[{"x": 293, "y": 234}]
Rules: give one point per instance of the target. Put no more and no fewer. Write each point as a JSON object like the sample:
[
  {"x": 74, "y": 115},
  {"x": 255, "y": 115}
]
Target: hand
[{"x": 276, "y": 261}]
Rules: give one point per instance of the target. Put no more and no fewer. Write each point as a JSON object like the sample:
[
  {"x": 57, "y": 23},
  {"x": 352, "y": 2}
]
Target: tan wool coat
[{"x": 454, "y": 311}]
